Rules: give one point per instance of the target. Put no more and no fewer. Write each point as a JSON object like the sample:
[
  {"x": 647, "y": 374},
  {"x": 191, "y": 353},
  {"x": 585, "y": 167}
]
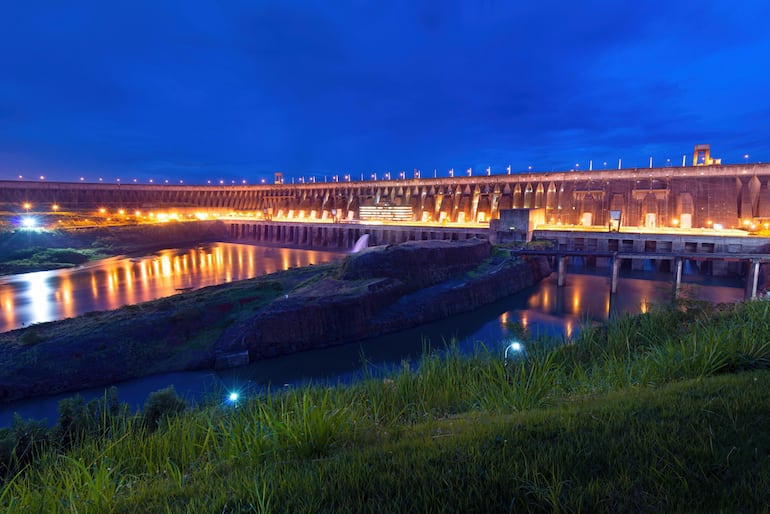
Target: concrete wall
[{"x": 343, "y": 235}]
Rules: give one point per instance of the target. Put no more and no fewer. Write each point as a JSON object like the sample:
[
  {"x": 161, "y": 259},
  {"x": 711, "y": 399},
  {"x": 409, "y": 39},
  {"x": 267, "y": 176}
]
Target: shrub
[
  {"x": 30, "y": 337},
  {"x": 161, "y": 405}
]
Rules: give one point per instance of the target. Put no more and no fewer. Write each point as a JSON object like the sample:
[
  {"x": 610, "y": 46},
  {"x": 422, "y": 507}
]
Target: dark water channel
[{"x": 544, "y": 309}]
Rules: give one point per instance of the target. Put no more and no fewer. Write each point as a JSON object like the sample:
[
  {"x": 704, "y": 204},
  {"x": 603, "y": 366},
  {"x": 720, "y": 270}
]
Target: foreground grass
[{"x": 663, "y": 412}]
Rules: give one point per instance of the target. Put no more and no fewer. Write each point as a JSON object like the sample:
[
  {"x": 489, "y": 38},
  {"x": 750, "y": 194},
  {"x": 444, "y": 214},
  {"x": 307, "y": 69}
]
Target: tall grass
[{"x": 588, "y": 425}]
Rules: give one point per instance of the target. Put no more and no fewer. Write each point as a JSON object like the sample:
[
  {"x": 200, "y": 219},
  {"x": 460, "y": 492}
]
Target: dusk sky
[{"x": 238, "y": 90}]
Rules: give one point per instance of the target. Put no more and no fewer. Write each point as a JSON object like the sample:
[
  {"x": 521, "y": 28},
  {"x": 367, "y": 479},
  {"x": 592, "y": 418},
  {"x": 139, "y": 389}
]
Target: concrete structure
[
  {"x": 343, "y": 235},
  {"x": 710, "y": 253},
  {"x": 687, "y": 197},
  {"x": 515, "y": 225}
]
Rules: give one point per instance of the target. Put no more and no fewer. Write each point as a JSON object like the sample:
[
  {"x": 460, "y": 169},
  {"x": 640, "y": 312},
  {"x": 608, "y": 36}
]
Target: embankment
[{"x": 382, "y": 290}]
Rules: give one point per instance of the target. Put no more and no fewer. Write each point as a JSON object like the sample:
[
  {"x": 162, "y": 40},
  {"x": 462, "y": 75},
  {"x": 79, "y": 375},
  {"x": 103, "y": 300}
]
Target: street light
[{"x": 746, "y": 158}]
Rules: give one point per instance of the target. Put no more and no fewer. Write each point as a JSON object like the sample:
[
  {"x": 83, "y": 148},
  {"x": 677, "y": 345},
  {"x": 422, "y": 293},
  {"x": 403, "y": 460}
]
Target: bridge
[{"x": 729, "y": 196}]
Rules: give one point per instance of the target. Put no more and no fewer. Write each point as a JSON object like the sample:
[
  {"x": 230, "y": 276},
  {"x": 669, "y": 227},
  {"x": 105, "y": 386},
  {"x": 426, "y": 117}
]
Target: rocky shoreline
[{"x": 381, "y": 290}]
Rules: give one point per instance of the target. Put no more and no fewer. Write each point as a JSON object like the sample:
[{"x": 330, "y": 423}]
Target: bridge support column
[
  {"x": 752, "y": 279},
  {"x": 678, "y": 263},
  {"x": 615, "y": 274},
  {"x": 561, "y": 263}
]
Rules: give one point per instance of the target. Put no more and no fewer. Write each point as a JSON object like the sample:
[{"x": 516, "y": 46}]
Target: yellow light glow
[{"x": 102, "y": 210}]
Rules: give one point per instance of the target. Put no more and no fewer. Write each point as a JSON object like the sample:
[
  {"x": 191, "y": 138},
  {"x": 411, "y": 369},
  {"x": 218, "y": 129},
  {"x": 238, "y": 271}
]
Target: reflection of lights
[
  {"x": 643, "y": 307},
  {"x": 38, "y": 294},
  {"x": 504, "y": 318},
  {"x": 576, "y": 304}
]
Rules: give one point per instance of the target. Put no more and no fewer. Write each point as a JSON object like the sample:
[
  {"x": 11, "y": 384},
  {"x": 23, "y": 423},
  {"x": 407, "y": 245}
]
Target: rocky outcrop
[{"x": 383, "y": 291}]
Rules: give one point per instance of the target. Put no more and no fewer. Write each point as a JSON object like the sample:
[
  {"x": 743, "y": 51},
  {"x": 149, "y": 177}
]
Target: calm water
[
  {"x": 544, "y": 309},
  {"x": 112, "y": 283}
]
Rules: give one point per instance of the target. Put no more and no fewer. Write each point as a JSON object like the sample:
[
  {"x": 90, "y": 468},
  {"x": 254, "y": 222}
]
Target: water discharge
[{"x": 363, "y": 242}]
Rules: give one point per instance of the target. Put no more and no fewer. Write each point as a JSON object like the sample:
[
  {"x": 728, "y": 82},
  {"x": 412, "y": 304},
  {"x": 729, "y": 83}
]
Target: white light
[
  {"x": 514, "y": 348},
  {"x": 28, "y": 222},
  {"x": 233, "y": 397}
]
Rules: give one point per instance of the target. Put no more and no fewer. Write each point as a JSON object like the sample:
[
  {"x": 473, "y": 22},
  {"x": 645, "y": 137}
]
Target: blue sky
[{"x": 237, "y": 90}]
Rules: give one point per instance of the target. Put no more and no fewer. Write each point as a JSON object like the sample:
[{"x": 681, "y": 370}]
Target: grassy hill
[{"x": 662, "y": 412}]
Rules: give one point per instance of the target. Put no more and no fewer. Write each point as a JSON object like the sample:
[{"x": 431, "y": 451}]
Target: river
[{"x": 544, "y": 309}]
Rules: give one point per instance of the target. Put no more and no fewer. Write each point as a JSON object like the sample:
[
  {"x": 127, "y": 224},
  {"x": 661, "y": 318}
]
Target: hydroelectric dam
[{"x": 728, "y": 196}]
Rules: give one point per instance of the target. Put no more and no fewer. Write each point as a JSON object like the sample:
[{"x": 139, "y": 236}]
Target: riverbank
[
  {"x": 631, "y": 416},
  {"x": 271, "y": 315}
]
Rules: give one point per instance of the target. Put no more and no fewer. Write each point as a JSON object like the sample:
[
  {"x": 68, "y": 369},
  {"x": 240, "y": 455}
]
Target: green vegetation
[
  {"x": 663, "y": 412},
  {"x": 37, "y": 258}
]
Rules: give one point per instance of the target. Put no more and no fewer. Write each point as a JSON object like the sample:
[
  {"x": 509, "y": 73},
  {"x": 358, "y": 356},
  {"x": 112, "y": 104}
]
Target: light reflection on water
[
  {"x": 112, "y": 283},
  {"x": 544, "y": 310}
]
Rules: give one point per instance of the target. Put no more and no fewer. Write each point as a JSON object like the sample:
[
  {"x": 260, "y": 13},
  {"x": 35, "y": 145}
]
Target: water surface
[{"x": 112, "y": 283}]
